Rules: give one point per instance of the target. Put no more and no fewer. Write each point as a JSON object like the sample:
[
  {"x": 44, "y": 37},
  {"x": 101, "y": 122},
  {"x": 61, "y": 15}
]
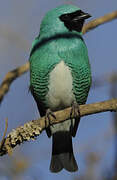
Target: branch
[
  {"x": 33, "y": 128},
  {"x": 99, "y": 21},
  {"x": 12, "y": 75}
]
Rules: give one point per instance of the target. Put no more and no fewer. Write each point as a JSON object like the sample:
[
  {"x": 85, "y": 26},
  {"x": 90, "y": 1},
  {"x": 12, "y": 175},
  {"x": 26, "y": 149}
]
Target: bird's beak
[
  {"x": 81, "y": 16},
  {"x": 74, "y": 16}
]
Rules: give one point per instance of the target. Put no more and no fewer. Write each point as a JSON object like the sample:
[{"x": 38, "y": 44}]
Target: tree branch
[
  {"x": 12, "y": 75},
  {"x": 33, "y": 128},
  {"x": 99, "y": 21}
]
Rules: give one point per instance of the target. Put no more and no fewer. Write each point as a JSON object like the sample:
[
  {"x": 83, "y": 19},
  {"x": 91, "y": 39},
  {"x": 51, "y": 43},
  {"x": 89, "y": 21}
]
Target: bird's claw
[
  {"x": 48, "y": 116},
  {"x": 75, "y": 111}
]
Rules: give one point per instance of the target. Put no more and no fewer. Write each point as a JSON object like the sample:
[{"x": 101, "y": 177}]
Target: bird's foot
[
  {"x": 75, "y": 110},
  {"x": 48, "y": 116}
]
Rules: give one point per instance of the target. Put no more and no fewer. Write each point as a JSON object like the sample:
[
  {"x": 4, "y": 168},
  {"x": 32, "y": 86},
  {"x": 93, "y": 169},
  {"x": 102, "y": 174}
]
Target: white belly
[{"x": 60, "y": 94}]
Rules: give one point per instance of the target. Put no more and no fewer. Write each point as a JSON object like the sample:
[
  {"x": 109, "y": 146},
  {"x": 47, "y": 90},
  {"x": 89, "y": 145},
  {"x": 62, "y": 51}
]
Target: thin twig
[
  {"x": 34, "y": 128},
  {"x": 12, "y": 75}
]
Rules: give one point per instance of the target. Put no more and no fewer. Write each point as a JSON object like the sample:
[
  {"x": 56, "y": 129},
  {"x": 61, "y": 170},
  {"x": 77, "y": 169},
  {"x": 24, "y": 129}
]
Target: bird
[{"x": 60, "y": 77}]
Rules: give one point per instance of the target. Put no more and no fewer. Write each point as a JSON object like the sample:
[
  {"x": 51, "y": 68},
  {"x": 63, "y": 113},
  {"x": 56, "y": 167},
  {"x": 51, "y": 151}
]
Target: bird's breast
[{"x": 60, "y": 94}]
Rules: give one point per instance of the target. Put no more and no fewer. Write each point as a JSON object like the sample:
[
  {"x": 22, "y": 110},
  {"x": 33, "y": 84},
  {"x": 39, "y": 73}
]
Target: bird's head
[
  {"x": 74, "y": 20},
  {"x": 64, "y": 18}
]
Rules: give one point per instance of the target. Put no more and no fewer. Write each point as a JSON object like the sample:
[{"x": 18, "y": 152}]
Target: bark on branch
[
  {"x": 12, "y": 75},
  {"x": 33, "y": 128}
]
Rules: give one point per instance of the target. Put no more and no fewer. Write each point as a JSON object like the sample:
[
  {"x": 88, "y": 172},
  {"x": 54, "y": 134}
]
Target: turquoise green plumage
[{"x": 60, "y": 75}]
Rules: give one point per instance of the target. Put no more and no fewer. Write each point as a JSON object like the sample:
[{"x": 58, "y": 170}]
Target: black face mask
[{"x": 75, "y": 20}]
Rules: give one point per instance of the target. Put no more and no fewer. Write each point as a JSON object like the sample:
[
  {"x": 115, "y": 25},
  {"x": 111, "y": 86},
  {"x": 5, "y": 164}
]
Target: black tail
[{"x": 62, "y": 153}]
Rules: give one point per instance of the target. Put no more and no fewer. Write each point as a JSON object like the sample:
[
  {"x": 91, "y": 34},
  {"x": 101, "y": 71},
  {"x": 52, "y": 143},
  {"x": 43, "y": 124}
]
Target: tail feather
[
  {"x": 62, "y": 153},
  {"x": 55, "y": 165}
]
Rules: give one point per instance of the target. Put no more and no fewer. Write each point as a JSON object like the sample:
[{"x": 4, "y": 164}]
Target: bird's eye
[{"x": 64, "y": 17}]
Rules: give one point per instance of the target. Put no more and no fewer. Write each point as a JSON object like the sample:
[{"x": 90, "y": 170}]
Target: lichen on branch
[{"x": 32, "y": 129}]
